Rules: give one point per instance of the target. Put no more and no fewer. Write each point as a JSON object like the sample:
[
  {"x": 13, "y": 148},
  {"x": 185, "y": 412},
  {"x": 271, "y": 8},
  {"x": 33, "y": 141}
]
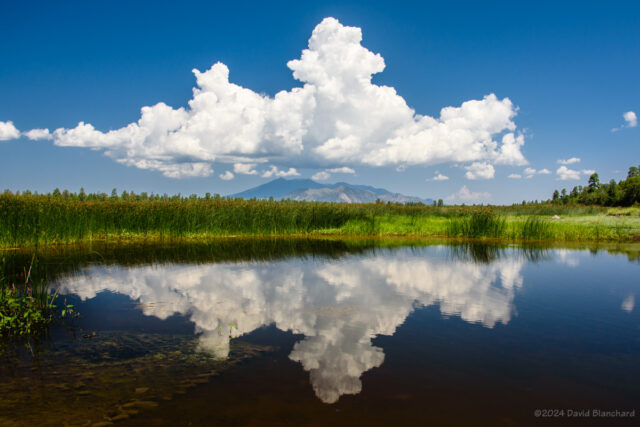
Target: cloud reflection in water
[{"x": 338, "y": 305}]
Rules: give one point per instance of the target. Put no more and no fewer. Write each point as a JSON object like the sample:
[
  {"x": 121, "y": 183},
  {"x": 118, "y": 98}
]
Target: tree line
[
  {"x": 82, "y": 195},
  {"x": 625, "y": 192}
]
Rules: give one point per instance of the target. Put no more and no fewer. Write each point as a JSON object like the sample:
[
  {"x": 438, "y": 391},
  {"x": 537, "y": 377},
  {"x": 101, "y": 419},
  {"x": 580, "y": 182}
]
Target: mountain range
[{"x": 307, "y": 189}]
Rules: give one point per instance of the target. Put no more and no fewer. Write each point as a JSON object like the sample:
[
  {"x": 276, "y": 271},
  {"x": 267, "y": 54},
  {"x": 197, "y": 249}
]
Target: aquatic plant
[
  {"x": 27, "y": 310},
  {"x": 22, "y": 314},
  {"x": 535, "y": 228},
  {"x": 482, "y": 222}
]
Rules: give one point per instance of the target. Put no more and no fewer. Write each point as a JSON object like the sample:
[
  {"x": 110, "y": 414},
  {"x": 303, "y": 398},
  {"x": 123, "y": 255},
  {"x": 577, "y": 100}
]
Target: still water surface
[{"x": 331, "y": 332}]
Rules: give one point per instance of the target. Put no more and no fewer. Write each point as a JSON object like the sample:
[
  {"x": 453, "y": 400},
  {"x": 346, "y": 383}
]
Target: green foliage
[
  {"x": 28, "y": 220},
  {"x": 22, "y": 314},
  {"x": 27, "y": 310},
  {"x": 483, "y": 222},
  {"x": 535, "y": 228},
  {"x": 623, "y": 193}
]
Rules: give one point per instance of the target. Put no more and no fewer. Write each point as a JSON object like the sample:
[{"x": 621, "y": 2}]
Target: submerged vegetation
[
  {"x": 109, "y": 378},
  {"x": 30, "y": 219}
]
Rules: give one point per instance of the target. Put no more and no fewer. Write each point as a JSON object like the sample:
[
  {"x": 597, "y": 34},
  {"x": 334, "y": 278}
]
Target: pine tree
[{"x": 594, "y": 182}]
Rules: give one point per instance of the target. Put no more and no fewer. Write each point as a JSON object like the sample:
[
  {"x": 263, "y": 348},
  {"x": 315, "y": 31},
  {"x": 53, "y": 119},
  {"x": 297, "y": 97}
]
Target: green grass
[
  {"x": 479, "y": 223},
  {"x": 32, "y": 220},
  {"x": 501, "y": 225},
  {"x": 28, "y": 220}
]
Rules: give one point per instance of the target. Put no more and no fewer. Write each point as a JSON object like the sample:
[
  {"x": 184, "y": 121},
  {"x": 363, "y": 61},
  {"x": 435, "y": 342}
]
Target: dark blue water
[{"x": 442, "y": 334}]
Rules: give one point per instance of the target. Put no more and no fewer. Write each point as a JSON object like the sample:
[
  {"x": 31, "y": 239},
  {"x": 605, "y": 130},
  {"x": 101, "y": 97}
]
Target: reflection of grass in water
[
  {"x": 110, "y": 377},
  {"x": 66, "y": 259},
  {"x": 57, "y": 261},
  {"x": 477, "y": 252},
  {"x": 486, "y": 253}
]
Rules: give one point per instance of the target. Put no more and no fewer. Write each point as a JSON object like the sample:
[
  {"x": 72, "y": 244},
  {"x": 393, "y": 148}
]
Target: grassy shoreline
[{"x": 32, "y": 220}]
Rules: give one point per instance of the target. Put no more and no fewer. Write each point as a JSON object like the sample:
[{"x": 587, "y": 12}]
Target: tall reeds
[
  {"x": 31, "y": 220},
  {"x": 480, "y": 223},
  {"x": 535, "y": 228}
]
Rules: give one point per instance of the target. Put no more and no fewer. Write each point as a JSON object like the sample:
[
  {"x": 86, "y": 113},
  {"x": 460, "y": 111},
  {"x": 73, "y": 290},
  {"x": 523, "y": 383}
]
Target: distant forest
[{"x": 622, "y": 193}]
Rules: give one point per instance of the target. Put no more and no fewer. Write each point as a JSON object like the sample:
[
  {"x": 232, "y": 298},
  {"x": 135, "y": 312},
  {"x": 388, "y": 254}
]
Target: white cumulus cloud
[
  {"x": 321, "y": 176},
  {"x": 479, "y": 170},
  {"x": 439, "y": 177},
  {"x": 245, "y": 168},
  {"x": 343, "y": 169},
  {"x": 326, "y": 174},
  {"x": 274, "y": 171},
  {"x": 630, "y": 119},
  {"x": 515, "y": 176},
  {"x": 570, "y": 161},
  {"x": 227, "y": 176},
  {"x": 38, "y": 134},
  {"x": 337, "y": 116},
  {"x": 8, "y": 131},
  {"x": 466, "y": 195},
  {"x": 529, "y": 172},
  {"x": 510, "y": 153},
  {"x": 564, "y": 173}
]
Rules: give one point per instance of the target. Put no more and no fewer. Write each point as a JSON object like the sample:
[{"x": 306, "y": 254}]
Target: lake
[{"x": 317, "y": 332}]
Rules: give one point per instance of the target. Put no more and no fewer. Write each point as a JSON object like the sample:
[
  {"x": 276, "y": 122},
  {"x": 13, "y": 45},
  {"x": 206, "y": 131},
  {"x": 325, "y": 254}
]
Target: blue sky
[{"x": 569, "y": 70}]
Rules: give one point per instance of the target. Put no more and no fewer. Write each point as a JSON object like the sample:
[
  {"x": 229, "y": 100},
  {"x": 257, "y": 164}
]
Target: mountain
[
  {"x": 374, "y": 190},
  {"x": 306, "y": 189},
  {"x": 277, "y": 188}
]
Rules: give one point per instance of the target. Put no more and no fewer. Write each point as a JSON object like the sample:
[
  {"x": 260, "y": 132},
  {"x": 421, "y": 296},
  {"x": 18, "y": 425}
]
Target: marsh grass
[
  {"x": 535, "y": 228},
  {"x": 479, "y": 223},
  {"x": 30, "y": 220}
]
